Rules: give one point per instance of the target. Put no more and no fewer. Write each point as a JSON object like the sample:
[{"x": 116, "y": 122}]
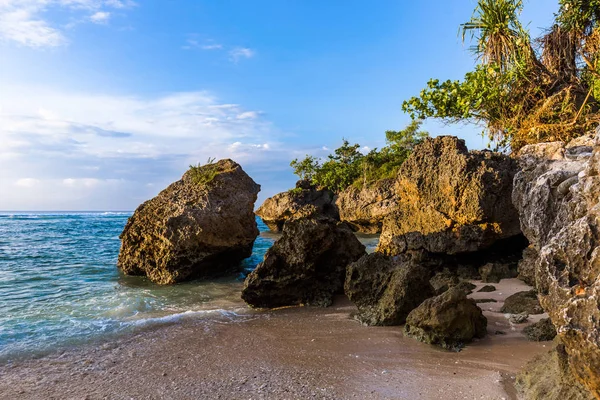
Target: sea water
[{"x": 59, "y": 284}]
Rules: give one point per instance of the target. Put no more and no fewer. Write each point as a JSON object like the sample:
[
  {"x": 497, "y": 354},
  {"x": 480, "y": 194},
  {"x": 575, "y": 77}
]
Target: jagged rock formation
[
  {"x": 557, "y": 194},
  {"x": 449, "y": 320},
  {"x": 386, "y": 289},
  {"x": 365, "y": 209},
  {"x": 201, "y": 225},
  {"x": 549, "y": 377},
  {"x": 450, "y": 200},
  {"x": 307, "y": 265},
  {"x": 303, "y": 201}
]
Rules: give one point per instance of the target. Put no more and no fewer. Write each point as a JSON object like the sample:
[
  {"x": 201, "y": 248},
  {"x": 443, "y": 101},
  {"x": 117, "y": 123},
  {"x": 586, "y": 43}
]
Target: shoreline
[{"x": 290, "y": 353}]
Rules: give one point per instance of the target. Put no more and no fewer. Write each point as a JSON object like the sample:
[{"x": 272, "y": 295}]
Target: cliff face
[
  {"x": 303, "y": 201},
  {"x": 450, "y": 200},
  {"x": 201, "y": 225},
  {"x": 365, "y": 209},
  {"x": 557, "y": 194}
]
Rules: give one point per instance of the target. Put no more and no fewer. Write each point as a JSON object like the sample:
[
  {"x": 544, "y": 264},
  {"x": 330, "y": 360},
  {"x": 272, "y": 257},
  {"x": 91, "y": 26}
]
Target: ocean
[{"x": 59, "y": 285}]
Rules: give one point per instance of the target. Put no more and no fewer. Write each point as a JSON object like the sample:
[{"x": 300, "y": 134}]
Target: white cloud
[
  {"x": 100, "y": 17},
  {"x": 27, "y": 182},
  {"x": 195, "y": 44},
  {"x": 66, "y": 150},
  {"x": 26, "y": 22},
  {"x": 248, "y": 115},
  {"x": 239, "y": 53}
]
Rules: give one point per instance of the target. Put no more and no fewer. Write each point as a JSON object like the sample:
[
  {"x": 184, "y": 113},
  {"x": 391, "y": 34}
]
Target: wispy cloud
[
  {"x": 27, "y": 23},
  {"x": 117, "y": 150},
  {"x": 239, "y": 53},
  {"x": 100, "y": 17},
  {"x": 208, "y": 45}
]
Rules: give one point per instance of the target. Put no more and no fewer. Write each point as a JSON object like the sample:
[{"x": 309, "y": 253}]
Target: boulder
[
  {"x": 385, "y": 289},
  {"x": 443, "y": 281},
  {"x": 451, "y": 200},
  {"x": 303, "y": 201},
  {"x": 557, "y": 194},
  {"x": 494, "y": 272},
  {"x": 522, "y": 302},
  {"x": 307, "y": 265},
  {"x": 540, "y": 331},
  {"x": 449, "y": 320},
  {"x": 364, "y": 209},
  {"x": 487, "y": 289},
  {"x": 202, "y": 225},
  {"x": 526, "y": 267}
]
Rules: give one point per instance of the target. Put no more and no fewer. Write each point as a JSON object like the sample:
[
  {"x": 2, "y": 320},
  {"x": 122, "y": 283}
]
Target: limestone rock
[
  {"x": 494, "y": 272},
  {"x": 451, "y": 200},
  {"x": 303, "y": 201},
  {"x": 526, "y": 268},
  {"x": 307, "y": 265},
  {"x": 549, "y": 377},
  {"x": 487, "y": 289},
  {"x": 443, "y": 281},
  {"x": 201, "y": 225},
  {"x": 449, "y": 320},
  {"x": 558, "y": 199},
  {"x": 386, "y": 289},
  {"x": 365, "y": 209},
  {"x": 522, "y": 302},
  {"x": 540, "y": 331}
]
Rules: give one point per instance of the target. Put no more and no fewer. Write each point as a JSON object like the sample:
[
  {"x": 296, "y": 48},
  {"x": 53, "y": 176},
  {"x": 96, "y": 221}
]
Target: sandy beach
[{"x": 292, "y": 353}]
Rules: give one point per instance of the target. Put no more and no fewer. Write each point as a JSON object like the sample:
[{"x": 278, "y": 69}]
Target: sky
[{"x": 103, "y": 103}]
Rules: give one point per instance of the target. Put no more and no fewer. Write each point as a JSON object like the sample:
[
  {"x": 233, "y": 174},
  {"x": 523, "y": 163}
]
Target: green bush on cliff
[
  {"x": 348, "y": 166},
  {"x": 204, "y": 174},
  {"x": 522, "y": 90}
]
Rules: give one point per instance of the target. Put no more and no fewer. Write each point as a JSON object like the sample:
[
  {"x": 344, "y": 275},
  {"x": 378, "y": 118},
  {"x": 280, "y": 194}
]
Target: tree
[{"x": 306, "y": 168}]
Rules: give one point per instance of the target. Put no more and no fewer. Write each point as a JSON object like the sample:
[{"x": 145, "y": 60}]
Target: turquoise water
[{"x": 59, "y": 284}]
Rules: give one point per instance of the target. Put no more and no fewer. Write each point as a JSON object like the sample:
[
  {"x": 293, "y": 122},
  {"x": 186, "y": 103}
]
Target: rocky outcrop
[
  {"x": 450, "y": 200},
  {"x": 557, "y": 194},
  {"x": 201, "y": 225},
  {"x": 303, "y": 201},
  {"x": 495, "y": 272},
  {"x": 540, "y": 331},
  {"x": 365, "y": 209},
  {"x": 549, "y": 377},
  {"x": 522, "y": 302},
  {"x": 386, "y": 289},
  {"x": 307, "y": 265},
  {"x": 449, "y": 320}
]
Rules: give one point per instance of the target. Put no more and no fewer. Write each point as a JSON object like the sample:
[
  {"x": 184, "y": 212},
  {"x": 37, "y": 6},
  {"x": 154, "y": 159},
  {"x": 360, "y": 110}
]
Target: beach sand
[{"x": 292, "y": 353}]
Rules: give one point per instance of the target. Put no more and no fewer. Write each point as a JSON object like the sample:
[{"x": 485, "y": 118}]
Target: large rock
[
  {"x": 307, "y": 265},
  {"x": 557, "y": 194},
  {"x": 303, "y": 201},
  {"x": 386, "y": 289},
  {"x": 201, "y": 225},
  {"x": 450, "y": 320},
  {"x": 522, "y": 302},
  {"x": 549, "y": 377},
  {"x": 451, "y": 200},
  {"x": 365, "y": 209}
]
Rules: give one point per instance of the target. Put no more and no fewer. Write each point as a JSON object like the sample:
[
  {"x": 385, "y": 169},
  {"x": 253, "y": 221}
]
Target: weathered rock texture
[
  {"x": 192, "y": 229},
  {"x": 385, "y": 289},
  {"x": 522, "y": 302},
  {"x": 307, "y": 265},
  {"x": 540, "y": 331},
  {"x": 450, "y": 200},
  {"x": 365, "y": 209},
  {"x": 557, "y": 194},
  {"x": 303, "y": 201},
  {"x": 549, "y": 377},
  {"x": 449, "y": 320}
]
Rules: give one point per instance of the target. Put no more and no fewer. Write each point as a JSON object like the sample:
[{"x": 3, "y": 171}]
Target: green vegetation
[
  {"x": 204, "y": 174},
  {"x": 522, "y": 90},
  {"x": 348, "y": 166}
]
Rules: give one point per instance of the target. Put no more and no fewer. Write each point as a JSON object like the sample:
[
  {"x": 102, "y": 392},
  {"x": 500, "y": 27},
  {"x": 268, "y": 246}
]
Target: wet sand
[{"x": 292, "y": 353}]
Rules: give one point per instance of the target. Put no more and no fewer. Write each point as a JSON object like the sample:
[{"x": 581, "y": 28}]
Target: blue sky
[{"x": 105, "y": 102}]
